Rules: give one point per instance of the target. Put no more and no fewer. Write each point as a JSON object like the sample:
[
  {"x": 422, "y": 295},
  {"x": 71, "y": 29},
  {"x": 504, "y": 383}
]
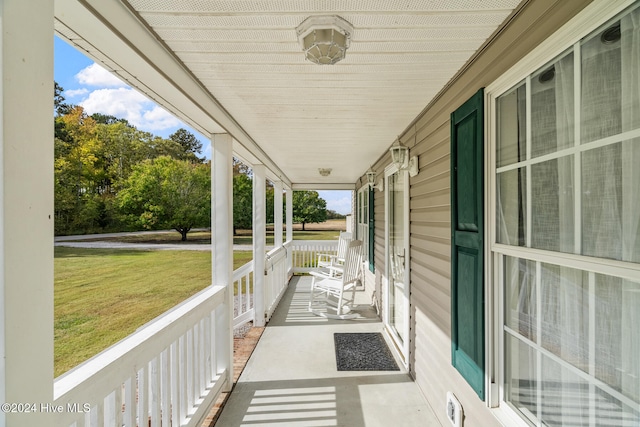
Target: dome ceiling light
[{"x": 324, "y": 39}]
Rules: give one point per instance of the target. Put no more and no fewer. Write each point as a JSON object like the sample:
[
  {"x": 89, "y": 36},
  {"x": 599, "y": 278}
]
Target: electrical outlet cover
[{"x": 454, "y": 410}]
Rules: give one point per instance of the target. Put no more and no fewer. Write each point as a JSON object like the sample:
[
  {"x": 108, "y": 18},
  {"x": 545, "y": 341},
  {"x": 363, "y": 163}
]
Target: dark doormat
[{"x": 363, "y": 352}]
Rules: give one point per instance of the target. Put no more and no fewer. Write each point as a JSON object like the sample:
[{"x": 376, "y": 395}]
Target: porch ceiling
[{"x": 243, "y": 57}]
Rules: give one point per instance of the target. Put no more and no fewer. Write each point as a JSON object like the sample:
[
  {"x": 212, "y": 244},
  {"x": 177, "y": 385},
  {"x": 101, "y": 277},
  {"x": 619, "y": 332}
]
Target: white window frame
[
  {"x": 362, "y": 220},
  {"x": 576, "y": 29}
]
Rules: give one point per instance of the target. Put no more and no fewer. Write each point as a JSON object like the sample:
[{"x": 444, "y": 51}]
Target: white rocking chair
[
  {"x": 332, "y": 263},
  {"x": 338, "y": 291}
]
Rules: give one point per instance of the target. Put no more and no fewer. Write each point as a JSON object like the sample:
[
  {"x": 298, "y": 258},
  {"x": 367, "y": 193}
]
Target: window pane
[
  {"x": 552, "y": 108},
  {"x": 565, "y": 396},
  {"x": 511, "y": 227},
  {"x": 512, "y": 127},
  {"x": 617, "y": 335},
  {"x": 565, "y": 314},
  {"x": 520, "y": 296},
  {"x": 521, "y": 377},
  {"x": 612, "y": 412},
  {"x": 552, "y": 205},
  {"x": 602, "y": 202},
  {"x": 601, "y": 86}
]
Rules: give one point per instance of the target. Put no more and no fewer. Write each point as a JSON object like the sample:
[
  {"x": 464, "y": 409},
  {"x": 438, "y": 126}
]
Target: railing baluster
[
  {"x": 199, "y": 362},
  {"x": 154, "y": 392},
  {"x": 214, "y": 353},
  {"x": 165, "y": 387},
  {"x": 184, "y": 394},
  {"x": 129, "y": 402},
  {"x": 204, "y": 345},
  {"x": 142, "y": 391},
  {"x": 175, "y": 384},
  {"x": 117, "y": 400},
  {"x": 189, "y": 374},
  {"x": 108, "y": 409},
  {"x": 99, "y": 419},
  {"x": 196, "y": 362},
  {"x": 207, "y": 350}
]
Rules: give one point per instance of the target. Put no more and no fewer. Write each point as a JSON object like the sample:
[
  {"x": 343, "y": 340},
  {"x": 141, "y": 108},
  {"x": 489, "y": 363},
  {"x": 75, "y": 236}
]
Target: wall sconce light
[
  {"x": 324, "y": 39},
  {"x": 371, "y": 177},
  {"x": 400, "y": 158},
  {"x": 371, "y": 180}
]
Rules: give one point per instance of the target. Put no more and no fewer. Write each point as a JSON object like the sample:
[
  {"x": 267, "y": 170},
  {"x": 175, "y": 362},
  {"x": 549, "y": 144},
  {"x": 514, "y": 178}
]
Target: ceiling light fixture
[
  {"x": 324, "y": 39},
  {"x": 324, "y": 171}
]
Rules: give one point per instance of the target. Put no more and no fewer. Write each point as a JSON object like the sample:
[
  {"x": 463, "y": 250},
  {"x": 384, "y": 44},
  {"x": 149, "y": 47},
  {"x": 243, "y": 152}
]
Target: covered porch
[{"x": 292, "y": 377}]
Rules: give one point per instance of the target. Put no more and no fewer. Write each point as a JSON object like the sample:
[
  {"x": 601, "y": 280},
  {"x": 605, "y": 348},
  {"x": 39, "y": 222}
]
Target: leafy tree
[
  {"x": 190, "y": 145},
  {"x": 167, "y": 193},
  {"x": 242, "y": 202},
  {"x": 241, "y": 168},
  {"x": 79, "y": 174},
  {"x": 107, "y": 119},
  {"x": 61, "y": 107},
  {"x": 308, "y": 207}
]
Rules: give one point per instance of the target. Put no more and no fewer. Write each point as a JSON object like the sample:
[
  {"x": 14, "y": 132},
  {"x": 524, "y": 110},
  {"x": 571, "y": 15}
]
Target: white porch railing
[
  {"x": 169, "y": 372},
  {"x": 305, "y": 253},
  {"x": 277, "y": 274},
  {"x": 243, "y": 285}
]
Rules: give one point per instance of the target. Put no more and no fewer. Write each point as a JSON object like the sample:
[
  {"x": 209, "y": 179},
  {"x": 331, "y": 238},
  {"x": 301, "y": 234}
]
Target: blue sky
[{"x": 87, "y": 84}]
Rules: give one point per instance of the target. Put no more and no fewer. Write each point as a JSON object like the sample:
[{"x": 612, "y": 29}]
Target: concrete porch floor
[{"x": 291, "y": 378}]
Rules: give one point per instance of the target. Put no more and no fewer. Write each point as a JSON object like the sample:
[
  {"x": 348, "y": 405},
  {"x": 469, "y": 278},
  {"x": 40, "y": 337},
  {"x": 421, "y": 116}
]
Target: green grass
[{"x": 103, "y": 295}]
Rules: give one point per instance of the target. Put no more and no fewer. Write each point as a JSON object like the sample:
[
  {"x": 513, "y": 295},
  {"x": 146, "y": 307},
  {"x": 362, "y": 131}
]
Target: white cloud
[
  {"x": 128, "y": 104},
  {"x": 95, "y": 75},
  {"x": 104, "y": 93},
  {"x": 75, "y": 92}
]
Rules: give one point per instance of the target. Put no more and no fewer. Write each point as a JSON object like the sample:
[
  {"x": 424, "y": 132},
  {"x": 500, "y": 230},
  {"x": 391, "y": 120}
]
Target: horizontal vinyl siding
[{"x": 428, "y": 137}]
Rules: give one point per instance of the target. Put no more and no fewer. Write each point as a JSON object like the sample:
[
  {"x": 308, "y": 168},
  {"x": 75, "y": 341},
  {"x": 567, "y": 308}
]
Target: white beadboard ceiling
[{"x": 245, "y": 57}]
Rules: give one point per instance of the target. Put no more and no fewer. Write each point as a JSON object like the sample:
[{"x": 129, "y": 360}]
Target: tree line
[{"x": 111, "y": 176}]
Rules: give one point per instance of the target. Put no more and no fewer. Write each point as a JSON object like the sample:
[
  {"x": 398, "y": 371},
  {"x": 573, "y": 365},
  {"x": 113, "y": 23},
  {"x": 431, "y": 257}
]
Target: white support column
[
  {"x": 259, "y": 241},
  {"x": 289, "y": 208},
  {"x": 277, "y": 214},
  {"x": 222, "y": 244},
  {"x": 26, "y": 212}
]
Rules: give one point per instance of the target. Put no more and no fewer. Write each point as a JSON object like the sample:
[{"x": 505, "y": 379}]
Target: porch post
[
  {"x": 222, "y": 245},
  {"x": 259, "y": 241},
  {"x": 277, "y": 214},
  {"x": 26, "y": 210},
  {"x": 289, "y": 214}
]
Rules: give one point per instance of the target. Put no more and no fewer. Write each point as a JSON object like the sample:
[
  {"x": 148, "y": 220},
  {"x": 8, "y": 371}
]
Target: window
[
  {"x": 364, "y": 230},
  {"x": 567, "y": 233}
]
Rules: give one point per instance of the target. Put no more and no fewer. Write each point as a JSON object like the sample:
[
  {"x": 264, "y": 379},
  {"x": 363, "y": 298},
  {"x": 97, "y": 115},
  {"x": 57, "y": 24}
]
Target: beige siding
[{"x": 428, "y": 137}]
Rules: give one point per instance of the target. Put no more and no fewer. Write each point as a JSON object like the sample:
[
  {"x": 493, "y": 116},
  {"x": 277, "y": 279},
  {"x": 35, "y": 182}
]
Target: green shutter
[
  {"x": 467, "y": 233},
  {"x": 372, "y": 231}
]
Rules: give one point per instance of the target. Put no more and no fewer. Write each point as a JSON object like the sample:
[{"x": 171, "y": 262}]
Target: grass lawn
[{"x": 103, "y": 295}]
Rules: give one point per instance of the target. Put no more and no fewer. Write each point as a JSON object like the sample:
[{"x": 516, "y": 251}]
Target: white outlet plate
[{"x": 454, "y": 410}]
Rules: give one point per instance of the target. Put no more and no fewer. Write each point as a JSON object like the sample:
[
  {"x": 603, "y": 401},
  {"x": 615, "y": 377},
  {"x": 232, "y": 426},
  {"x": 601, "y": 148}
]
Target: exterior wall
[
  {"x": 430, "y": 208},
  {"x": 430, "y": 240}
]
